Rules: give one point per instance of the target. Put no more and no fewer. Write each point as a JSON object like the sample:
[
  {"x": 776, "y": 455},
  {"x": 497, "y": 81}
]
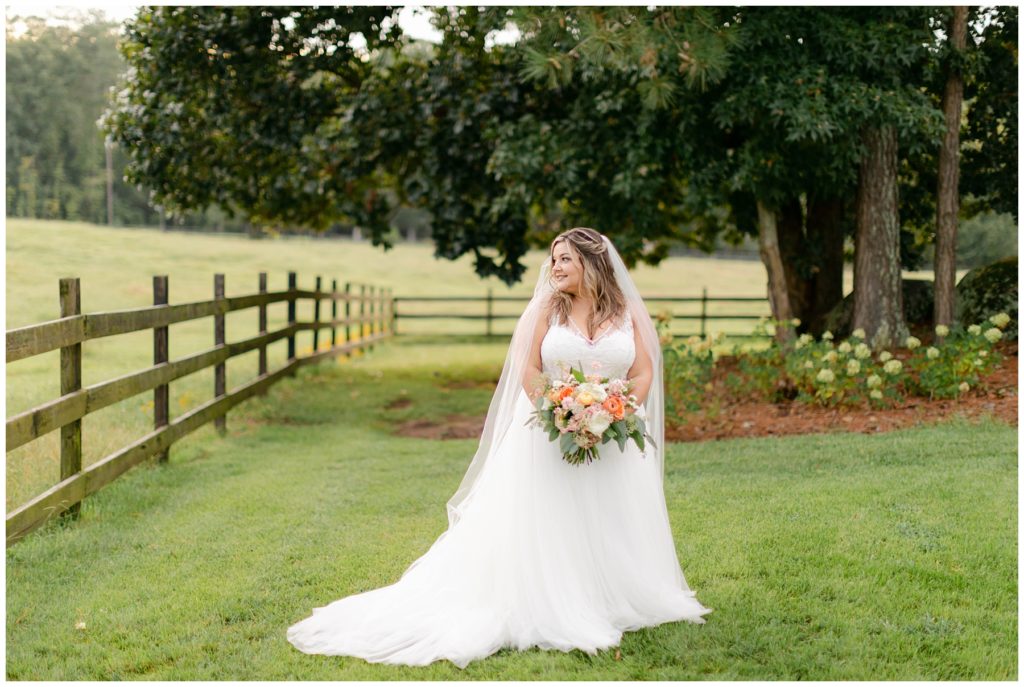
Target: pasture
[{"x": 825, "y": 557}]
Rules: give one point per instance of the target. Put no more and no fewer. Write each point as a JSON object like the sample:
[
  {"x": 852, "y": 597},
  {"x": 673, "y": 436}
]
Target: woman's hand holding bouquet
[{"x": 581, "y": 412}]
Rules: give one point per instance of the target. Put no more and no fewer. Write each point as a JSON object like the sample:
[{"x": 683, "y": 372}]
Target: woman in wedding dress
[{"x": 539, "y": 552}]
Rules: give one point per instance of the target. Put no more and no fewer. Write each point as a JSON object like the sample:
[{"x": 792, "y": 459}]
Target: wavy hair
[{"x": 597, "y": 279}]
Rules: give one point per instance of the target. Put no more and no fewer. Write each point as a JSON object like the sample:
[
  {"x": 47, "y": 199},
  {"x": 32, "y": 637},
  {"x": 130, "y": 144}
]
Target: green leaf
[
  {"x": 578, "y": 374},
  {"x": 566, "y": 443}
]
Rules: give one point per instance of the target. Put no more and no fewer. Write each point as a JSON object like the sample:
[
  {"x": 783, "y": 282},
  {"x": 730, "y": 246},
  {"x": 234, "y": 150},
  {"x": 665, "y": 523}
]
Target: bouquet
[{"x": 581, "y": 412}]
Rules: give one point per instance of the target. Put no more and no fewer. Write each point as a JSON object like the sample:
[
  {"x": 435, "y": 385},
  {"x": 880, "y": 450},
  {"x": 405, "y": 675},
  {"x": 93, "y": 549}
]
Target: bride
[{"x": 539, "y": 552}]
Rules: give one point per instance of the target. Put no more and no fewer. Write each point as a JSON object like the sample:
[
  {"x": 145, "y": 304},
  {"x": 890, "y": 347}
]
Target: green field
[
  {"x": 116, "y": 267},
  {"x": 825, "y": 557}
]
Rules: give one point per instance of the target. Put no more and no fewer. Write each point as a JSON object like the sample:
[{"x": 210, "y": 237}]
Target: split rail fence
[
  {"x": 405, "y": 308},
  {"x": 367, "y": 308}
]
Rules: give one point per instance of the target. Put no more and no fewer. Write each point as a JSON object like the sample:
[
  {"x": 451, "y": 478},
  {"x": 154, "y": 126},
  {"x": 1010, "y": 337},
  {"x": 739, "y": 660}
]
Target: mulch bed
[
  {"x": 755, "y": 418},
  {"x": 736, "y": 417}
]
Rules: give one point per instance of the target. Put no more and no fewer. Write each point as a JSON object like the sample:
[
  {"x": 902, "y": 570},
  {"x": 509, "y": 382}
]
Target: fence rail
[
  {"x": 490, "y": 317},
  {"x": 374, "y": 321}
]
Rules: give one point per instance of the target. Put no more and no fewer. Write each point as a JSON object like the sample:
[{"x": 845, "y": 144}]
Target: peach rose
[{"x": 614, "y": 405}]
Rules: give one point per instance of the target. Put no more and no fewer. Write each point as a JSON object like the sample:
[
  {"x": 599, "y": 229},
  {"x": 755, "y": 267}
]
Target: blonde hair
[{"x": 597, "y": 278}]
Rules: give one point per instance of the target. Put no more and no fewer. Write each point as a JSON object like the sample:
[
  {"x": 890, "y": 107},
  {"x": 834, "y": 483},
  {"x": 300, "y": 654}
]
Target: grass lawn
[{"x": 825, "y": 557}]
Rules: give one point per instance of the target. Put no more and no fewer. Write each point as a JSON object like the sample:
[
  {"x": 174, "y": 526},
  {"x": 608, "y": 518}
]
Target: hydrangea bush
[{"x": 829, "y": 373}]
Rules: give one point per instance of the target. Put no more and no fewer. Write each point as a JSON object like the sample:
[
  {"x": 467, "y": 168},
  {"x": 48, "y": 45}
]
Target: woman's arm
[
  {"x": 532, "y": 383},
  {"x": 642, "y": 372}
]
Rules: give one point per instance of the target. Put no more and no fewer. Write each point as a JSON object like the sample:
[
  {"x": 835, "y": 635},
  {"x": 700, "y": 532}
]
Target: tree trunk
[
  {"x": 768, "y": 242},
  {"x": 948, "y": 194},
  {"x": 793, "y": 250},
  {"x": 877, "y": 283},
  {"x": 825, "y": 241}
]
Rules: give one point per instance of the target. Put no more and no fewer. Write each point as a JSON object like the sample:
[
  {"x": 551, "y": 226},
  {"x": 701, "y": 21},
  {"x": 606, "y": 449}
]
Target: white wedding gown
[{"x": 545, "y": 553}]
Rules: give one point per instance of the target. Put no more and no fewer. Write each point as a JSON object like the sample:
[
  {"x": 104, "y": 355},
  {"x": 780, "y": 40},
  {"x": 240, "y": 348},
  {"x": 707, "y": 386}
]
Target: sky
[{"x": 412, "y": 19}]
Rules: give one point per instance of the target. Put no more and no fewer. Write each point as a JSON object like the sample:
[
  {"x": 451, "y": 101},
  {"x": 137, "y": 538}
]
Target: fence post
[
  {"x": 316, "y": 317},
  {"x": 490, "y": 310},
  {"x": 291, "y": 315},
  {"x": 362, "y": 314},
  {"x": 348, "y": 315},
  {"x": 703, "y": 308},
  {"x": 220, "y": 377},
  {"x": 162, "y": 393},
  {"x": 70, "y": 382},
  {"x": 334, "y": 312},
  {"x": 374, "y": 314},
  {"x": 393, "y": 331},
  {"x": 263, "y": 325}
]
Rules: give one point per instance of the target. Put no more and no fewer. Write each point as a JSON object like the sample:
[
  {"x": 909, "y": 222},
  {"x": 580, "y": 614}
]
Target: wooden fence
[
  {"x": 487, "y": 314},
  {"x": 366, "y": 307}
]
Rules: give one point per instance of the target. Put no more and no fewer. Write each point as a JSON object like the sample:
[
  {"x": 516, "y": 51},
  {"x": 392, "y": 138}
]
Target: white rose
[
  {"x": 598, "y": 423},
  {"x": 592, "y": 389}
]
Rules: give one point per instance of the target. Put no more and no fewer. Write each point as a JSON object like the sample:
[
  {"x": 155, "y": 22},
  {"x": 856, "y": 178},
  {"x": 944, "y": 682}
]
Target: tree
[{"x": 948, "y": 192}]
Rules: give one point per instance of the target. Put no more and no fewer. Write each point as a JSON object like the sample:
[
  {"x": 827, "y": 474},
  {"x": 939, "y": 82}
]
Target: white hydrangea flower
[
  {"x": 941, "y": 330},
  {"x": 798, "y": 344},
  {"x": 769, "y": 329},
  {"x": 876, "y": 394},
  {"x": 859, "y": 333},
  {"x": 1000, "y": 319},
  {"x": 806, "y": 338},
  {"x": 826, "y": 376},
  {"x": 830, "y": 356},
  {"x": 827, "y": 336},
  {"x": 974, "y": 329},
  {"x": 983, "y": 354},
  {"x": 964, "y": 387},
  {"x": 885, "y": 356},
  {"x": 795, "y": 321},
  {"x": 808, "y": 364},
  {"x": 932, "y": 353},
  {"x": 862, "y": 350},
  {"x": 893, "y": 366},
  {"x": 845, "y": 347},
  {"x": 913, "y": 342},
  {"x": 978, "y": 363},
  {"x": 874, "y": 381},
  {"x": 993, "y": 335},
  {"x": 852, "y": 367}
]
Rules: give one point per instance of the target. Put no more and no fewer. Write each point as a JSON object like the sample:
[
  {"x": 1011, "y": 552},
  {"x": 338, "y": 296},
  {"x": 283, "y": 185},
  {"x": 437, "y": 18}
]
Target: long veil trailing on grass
[{"x": 510, "y": 385}]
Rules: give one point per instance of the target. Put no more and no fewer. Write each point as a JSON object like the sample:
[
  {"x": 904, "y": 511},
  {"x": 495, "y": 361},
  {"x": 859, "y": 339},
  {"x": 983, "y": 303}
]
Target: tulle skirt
[{"x": 546, "y": 554}]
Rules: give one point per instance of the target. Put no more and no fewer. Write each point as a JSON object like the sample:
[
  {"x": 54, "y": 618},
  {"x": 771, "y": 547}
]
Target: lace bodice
[{"x": 610, "y": 354}]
